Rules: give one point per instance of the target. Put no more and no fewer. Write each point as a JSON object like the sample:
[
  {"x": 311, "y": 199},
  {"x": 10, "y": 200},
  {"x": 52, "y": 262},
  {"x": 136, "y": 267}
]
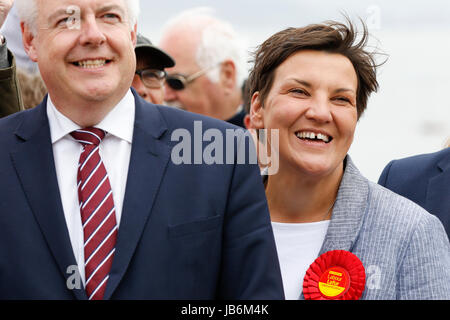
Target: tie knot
[{"x": 88, "y": 136}]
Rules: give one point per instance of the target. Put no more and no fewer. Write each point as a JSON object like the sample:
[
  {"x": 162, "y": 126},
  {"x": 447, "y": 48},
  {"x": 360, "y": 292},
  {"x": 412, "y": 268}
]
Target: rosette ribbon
[{"x": 335, "y": 275}]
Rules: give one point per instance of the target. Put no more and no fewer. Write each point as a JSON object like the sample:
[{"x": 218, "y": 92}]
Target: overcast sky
[
  {"x": 264, "y": 17},
  {"x": 410, "y": 114}
]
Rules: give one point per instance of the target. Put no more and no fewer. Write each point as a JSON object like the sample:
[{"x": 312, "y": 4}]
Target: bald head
[
  {"x": 209, "y": 54},
  {"x": 182, "y": 44},
  {"x": 208, "y": 39}
]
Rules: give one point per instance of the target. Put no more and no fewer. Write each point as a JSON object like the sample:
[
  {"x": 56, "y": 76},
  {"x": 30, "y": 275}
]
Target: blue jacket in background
[{"x": 424, "y": 179}]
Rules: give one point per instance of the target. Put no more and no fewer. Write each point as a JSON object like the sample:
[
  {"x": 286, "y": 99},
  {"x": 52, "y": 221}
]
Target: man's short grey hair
[
  {"x": 218, "y": 42},
  {"x": 28, "y": 12}
]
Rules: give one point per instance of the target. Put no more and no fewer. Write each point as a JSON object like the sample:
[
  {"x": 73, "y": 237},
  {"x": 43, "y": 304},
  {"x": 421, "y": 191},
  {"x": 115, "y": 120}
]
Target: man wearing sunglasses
[
  {"x": 210, "y": 66},
  {"x": 150, "y": 75}
]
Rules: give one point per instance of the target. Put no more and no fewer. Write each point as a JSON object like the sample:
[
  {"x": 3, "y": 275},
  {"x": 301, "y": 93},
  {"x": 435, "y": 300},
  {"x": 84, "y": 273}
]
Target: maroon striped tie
[{"x": 97, "y": 212}]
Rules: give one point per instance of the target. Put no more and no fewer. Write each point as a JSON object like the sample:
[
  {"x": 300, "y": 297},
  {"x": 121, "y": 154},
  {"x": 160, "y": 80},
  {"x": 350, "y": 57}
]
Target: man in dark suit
[
  {"x": 92, "y": 204},
  {"x": 424, "y": 179}
]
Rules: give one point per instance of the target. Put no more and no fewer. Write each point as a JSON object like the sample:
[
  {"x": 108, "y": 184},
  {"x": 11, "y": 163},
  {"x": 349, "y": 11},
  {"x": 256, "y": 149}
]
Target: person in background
[
  {"x": 424, "y": 179},
  {"x": 93, "y": 206},
  {"x": 10, "y": 101},
  {"x": 32, "y": 88},
  {"x": 210, "y": 66},
  {"x": 312, "y": 84},
  {"x": 11, "y": 31},
  {"x": 150, "y": 75}
]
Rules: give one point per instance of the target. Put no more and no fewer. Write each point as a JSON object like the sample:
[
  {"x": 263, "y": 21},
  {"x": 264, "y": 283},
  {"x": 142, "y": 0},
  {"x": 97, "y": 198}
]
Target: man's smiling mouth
[{"x": 92, "y": 63}]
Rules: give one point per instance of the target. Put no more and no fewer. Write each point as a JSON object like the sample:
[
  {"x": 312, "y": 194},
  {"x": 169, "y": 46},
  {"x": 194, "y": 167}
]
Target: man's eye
[
  {"x": 62, "y": 22},
  {"x": 68, "y": 22},
  {"x": 111, "y": 17},
  {"x": 151, "y": 76}
]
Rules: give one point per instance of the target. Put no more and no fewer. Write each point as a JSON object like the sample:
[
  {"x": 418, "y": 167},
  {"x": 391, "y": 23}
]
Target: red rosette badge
[{"x": 335, "y": 275}]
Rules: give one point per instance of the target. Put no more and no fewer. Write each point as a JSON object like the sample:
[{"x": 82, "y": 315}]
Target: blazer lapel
[
  {"x": 348, "y": 212},
  {"x": 34, "y": 164},
  {"x": 149, "y": 158},
  {"x": 438, "y": 199}
]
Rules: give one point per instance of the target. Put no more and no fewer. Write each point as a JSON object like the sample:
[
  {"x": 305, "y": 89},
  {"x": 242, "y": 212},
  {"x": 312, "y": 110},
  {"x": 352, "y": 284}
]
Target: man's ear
[
  {"x": 28, "y": 42},
  {"x": 228, "y": 76},
  {"x": 134, "y": 35},
  {"x": 256, "y": 112}
]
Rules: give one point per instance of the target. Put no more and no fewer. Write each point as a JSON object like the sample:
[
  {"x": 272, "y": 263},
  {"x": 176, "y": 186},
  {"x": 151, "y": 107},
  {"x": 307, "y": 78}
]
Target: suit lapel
[
  {"x": 438, "y": 199},
  {"x": 34, "y": 164},
  {"x": 149, "y": 158},
  {"x": 348, "y": 212}
]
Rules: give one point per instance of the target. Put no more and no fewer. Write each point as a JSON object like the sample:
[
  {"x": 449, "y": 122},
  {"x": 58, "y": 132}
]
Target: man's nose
[{"x": 91, "y": 33}]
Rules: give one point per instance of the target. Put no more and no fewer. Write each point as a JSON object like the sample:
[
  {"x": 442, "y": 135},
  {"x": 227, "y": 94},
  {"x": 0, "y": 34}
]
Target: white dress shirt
[
  {"x": 298, "y": 245},
  {"x": 115, "y": 151}
]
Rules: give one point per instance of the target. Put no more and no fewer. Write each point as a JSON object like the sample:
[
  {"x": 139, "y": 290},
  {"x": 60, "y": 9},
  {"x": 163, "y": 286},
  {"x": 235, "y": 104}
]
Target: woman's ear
[{"x": 256, "y": 112}]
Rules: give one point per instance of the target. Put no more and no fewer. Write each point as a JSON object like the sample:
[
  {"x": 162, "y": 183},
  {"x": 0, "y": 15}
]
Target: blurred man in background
[
  {"x": 150, "y": 75},
  {"x": 210, "y": 66},
  {"x": 9, "y": 88}
]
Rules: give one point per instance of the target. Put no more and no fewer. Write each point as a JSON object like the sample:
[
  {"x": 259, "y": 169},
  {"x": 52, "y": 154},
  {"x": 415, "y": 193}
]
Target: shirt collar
[{"x": 119, "y": 122}]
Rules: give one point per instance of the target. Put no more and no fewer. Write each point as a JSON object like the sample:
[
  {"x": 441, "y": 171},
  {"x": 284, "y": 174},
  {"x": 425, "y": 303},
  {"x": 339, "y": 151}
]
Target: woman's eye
[
  {"x": 343, "y": 100},
  {"x": 298, "y": 91}
]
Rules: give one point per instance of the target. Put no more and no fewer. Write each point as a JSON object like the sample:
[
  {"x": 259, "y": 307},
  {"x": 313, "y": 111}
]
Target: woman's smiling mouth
[{"x": 314, "y": 136}]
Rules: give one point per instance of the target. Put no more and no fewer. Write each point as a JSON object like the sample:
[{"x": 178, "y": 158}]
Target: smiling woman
[{"x": 312, "y": 84}]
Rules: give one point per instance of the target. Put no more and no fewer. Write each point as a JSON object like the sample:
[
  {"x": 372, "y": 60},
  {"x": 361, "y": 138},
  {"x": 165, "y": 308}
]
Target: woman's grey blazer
[{"x": 404, "y": 249}]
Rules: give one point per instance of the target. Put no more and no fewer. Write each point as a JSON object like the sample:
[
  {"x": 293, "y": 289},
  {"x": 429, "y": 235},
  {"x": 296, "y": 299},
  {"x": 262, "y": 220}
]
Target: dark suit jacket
[
  {"x": 424, "y": 179},
  {"x": 238, "y": 119},
  {"x": 186, "y": 232}
]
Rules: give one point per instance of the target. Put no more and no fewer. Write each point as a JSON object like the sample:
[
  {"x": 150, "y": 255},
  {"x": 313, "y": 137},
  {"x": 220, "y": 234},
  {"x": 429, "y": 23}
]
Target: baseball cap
[{"x": 159, "y": 57}]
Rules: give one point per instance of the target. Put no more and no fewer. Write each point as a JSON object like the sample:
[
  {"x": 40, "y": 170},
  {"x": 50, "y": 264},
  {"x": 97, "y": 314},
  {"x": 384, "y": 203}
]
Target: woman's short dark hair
[{"x": 332, "y": 37}]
